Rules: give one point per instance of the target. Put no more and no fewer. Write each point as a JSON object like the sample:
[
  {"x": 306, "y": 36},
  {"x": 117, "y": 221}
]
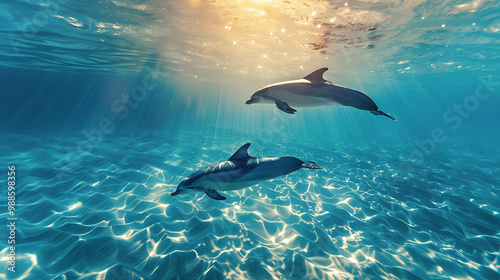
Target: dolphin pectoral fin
[
  {"x": 310, "y": 165},
  {"x": 214, "y": 194},
  {"x": 283, "y": 106},
  {"x": 378, "y": 112}
]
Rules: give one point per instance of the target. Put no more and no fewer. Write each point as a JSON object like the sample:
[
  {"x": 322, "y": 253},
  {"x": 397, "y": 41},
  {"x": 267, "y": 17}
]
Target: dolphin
[
  {"x": 238, "y": 172},
  {"x": 313, "y": 91}
]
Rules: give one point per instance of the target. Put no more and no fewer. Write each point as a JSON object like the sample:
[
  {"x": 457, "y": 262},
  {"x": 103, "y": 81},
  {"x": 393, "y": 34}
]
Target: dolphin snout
[
  {"x": 177, "y": 192},
  {"x": 250, "y": 101}
]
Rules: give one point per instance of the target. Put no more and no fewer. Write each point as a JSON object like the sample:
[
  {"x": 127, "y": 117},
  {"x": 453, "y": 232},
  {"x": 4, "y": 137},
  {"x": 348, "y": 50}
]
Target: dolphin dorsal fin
[
  {"x": 241, "y": 153},
  {"x": 316, "y": 76}
]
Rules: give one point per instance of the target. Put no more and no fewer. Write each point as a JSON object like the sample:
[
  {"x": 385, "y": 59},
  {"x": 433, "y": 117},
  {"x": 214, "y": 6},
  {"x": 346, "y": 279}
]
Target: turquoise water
[{"x": 107, "y": 106}]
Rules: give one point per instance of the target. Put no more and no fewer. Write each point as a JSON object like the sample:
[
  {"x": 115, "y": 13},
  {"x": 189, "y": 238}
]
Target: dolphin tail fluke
[
  {"x": 310, "y": 165},
  {"x": 214, "y": 194},
  {"x": 378, "y": 112}
]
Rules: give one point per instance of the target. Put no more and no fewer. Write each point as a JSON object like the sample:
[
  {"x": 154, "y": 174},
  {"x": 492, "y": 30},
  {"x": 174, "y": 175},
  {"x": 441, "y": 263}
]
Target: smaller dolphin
[
  {"x": 313, "y": 91},
  {"x": 240, "y": 171}
]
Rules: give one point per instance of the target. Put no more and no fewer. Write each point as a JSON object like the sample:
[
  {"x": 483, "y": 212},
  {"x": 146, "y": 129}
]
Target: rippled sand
[{"x": 108, "y": 214}]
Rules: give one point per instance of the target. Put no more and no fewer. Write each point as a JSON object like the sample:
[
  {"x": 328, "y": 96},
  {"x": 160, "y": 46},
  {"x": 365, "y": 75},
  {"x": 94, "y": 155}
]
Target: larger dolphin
[
  {"x": 240, "y": 171},
  {"x": 313, "y": 91}
]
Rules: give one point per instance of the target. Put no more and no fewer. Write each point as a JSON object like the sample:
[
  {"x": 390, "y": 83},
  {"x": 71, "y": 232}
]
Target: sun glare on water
[{"x": 263, "y": 37}]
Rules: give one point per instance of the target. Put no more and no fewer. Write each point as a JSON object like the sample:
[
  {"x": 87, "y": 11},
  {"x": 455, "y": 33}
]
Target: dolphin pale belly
[
  {"x": 313, "y": 91},
  {"x": 240, "y": 171}
]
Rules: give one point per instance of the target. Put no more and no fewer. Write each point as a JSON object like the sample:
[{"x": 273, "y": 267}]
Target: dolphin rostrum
[
  {"x": 240, "y": 171},
  {"x": 313, "y": 91}
]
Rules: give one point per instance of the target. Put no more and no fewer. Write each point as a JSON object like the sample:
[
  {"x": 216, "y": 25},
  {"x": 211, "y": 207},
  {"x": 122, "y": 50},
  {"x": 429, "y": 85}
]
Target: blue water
[{"x": 106, "y": 106}]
